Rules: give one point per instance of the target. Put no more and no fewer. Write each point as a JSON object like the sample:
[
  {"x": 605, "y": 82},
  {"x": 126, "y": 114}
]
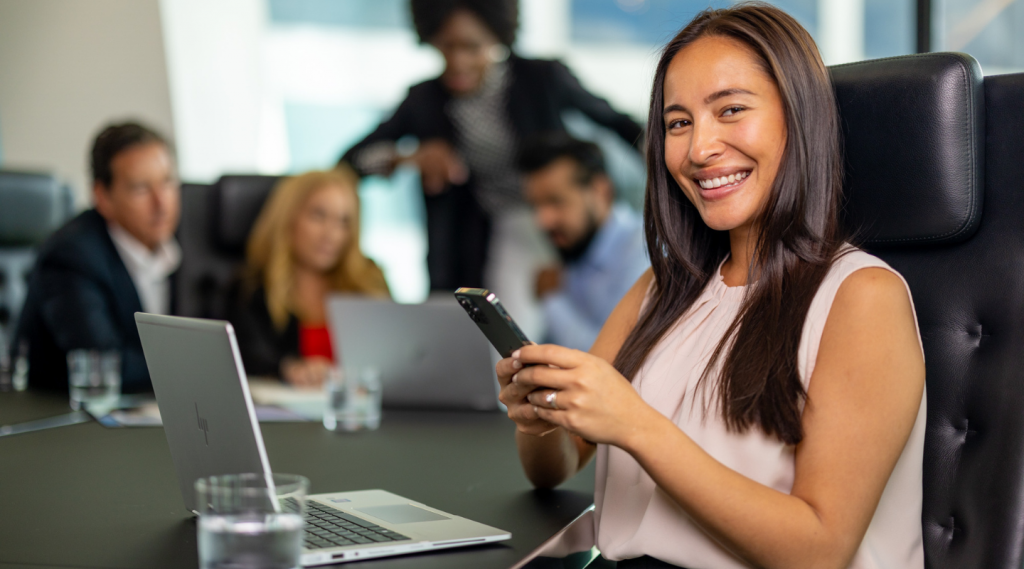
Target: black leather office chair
[
  {"x": 215, "y": 224},
  {"x": 935, "y": 183},
  {"x": 32, "y": 205}
]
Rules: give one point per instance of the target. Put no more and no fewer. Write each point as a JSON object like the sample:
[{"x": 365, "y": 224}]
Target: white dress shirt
[
  {"x": 150, "y": 270},
  {"x": 593, "y": 285}
]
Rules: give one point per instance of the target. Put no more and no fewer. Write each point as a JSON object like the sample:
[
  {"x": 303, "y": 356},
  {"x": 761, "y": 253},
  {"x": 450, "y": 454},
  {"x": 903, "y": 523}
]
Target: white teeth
[{"x": 722, "y": 181}]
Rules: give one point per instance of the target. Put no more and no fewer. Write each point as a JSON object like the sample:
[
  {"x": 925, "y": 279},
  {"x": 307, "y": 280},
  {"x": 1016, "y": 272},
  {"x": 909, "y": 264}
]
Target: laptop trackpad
[{"x": 402, "y": 514}]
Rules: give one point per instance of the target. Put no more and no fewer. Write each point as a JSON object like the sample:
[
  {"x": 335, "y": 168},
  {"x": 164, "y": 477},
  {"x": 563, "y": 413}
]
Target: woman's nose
[{"x": 705, "y": 142}]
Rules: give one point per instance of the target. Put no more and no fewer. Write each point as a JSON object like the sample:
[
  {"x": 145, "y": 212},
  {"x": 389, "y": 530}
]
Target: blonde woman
[{"x": 304, "y": 246}]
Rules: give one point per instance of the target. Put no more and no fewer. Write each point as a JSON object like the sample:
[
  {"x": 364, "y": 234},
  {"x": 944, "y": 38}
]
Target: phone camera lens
[{"x": 478, "y": 315}]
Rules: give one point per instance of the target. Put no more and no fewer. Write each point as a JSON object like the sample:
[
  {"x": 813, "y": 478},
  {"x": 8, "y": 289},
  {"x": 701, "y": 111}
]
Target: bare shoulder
[
  {"x": 871, "y": 333},
  {"x": 873, "y": 290},
  {"x": 635, "y": 297},
  {"x": 623, "y": 319}
]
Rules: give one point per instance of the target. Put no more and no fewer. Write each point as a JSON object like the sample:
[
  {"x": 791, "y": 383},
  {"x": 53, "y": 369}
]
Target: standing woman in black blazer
[{"x": 469, "y": 123}]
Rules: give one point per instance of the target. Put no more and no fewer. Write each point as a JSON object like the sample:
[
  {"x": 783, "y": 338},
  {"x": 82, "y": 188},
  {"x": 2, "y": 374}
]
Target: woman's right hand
[
  {"x": 439, "y": 165},
  {"x": 305, "y": 372},
  {"x": 513, "y": 395}
]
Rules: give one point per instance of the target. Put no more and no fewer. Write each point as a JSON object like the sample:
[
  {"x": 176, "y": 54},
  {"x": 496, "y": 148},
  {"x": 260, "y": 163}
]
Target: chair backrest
[
  {"x": 32, "y": 205},
  {"x": 935, "y": 184},
  {"x": 215, "y": 224}
]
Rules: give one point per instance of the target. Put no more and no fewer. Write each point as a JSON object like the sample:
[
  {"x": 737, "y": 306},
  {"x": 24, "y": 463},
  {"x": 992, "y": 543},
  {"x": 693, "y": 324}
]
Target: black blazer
[
  {"x": 458, "y": 230},
  {"x": 540, "y": 90},
  {"x": 80, "y": 296},
  {"x": 261, "y": 345}
]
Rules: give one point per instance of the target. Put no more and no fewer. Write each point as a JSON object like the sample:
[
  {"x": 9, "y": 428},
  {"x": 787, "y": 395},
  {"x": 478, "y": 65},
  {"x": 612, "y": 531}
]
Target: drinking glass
[
  {"x": 19, "y": 373},
  {"x": 353, "y": 400},
  {"x": 5, "y": 364},
  {"x": 94, "y": 379},
  {"x": 250, "y": 520}
]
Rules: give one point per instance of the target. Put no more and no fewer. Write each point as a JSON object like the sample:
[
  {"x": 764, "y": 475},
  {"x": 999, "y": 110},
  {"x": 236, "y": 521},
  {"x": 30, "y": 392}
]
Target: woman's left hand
[{"x": 581, "y": 392}]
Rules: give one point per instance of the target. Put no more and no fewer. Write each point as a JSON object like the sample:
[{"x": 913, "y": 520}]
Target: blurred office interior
[{"x": 283, "y": 86}]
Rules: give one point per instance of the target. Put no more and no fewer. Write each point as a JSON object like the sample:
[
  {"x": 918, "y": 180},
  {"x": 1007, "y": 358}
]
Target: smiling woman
[
  {"x": 757, "y": 399},
  {"x": 304, "y": 246},
  {"x": 781, "y": 224}
]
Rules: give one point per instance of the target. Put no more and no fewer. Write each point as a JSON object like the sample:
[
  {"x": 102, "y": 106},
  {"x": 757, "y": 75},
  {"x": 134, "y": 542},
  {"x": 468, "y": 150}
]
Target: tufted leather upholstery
[
  {"x": 911, "y": 165},
  {"x": 215, "y": 224}
]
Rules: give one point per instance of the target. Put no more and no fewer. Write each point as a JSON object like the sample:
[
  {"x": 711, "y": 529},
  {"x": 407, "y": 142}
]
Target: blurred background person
[
  {"x": 469, "y": 123},
  {"x": 107, "y": 263},
  {"x": 303, "y": 247},
  {"x": 601, "y": 243}
]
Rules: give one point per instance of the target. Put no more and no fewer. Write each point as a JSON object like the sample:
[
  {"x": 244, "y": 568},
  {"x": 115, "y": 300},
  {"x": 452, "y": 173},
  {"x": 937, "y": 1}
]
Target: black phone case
[{"x": 484, "y": 308}]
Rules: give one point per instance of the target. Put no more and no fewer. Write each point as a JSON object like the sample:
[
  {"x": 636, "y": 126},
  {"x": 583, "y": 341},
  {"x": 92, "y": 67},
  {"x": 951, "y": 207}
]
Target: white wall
[
  {"x": 226, "y": 118},
  {"x": 67, "y": 67}
]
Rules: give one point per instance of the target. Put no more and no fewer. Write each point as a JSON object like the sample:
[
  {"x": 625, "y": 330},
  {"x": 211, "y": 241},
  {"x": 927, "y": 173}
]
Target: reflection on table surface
[
  {"x": 571, "y": 548},
  {"x": 110, "y": 497}
]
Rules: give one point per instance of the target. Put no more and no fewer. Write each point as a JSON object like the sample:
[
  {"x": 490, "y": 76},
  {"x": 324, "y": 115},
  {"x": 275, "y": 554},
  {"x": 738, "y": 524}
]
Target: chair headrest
[
  {"x": 32, "y": 205},
  {"x": 914, "y": 137},
  {"x": 237, "y": 201}
]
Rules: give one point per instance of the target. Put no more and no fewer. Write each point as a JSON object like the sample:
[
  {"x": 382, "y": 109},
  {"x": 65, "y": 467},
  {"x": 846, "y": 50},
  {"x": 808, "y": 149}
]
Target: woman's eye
[
  {"x": 732, "y": 111},
  {"x": 677, "y": 123}
]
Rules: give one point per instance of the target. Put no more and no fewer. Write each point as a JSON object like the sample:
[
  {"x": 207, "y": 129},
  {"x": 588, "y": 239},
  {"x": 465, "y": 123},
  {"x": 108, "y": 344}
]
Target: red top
[{"x": 315, "y": 341}]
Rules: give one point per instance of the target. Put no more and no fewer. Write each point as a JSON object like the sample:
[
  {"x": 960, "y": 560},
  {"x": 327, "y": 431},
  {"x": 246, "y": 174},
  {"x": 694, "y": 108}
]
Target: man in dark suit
[{"x": 108, "y": 263}]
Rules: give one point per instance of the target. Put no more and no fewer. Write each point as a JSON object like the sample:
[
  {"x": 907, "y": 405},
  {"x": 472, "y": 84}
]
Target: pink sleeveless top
[{"x": 635, "y": 518}]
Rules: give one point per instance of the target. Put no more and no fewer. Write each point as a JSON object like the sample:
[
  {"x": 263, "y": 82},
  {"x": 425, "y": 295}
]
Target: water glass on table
[
  {"x": 251, "y": 520},
  {"x": 94, "y": 379},
  {"x": 353, "y": 400}
]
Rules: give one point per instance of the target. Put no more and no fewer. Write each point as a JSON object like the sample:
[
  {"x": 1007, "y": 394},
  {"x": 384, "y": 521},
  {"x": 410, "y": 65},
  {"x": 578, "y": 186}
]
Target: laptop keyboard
[{"x": 330, "y": 527}]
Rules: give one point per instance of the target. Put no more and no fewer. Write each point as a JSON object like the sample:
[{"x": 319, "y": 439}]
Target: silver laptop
[
  {"x": 428, "y": 355},
  {"x": 211, "y": 429}
]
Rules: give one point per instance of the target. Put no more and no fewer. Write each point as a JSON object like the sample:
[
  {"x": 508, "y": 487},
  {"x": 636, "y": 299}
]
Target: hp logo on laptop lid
[{"x": 203, "y": 426}]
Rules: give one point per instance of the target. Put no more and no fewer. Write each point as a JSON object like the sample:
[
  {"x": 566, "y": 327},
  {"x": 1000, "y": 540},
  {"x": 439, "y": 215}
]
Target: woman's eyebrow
[
  {"x": 672, "y": 108},
  {"x": 710, "y": 98},
  {"x": 725, "y": 93}
]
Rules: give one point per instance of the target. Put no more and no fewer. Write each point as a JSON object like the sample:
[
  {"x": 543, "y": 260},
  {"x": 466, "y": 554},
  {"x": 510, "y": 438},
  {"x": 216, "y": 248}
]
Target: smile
[{"x": 726, "y": 181}]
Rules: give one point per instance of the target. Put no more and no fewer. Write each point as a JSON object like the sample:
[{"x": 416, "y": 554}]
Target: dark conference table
[{"x": 90, "y": 496}]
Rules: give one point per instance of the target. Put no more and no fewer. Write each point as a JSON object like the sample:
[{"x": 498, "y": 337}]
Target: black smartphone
[{"x": 490, "y": 316}]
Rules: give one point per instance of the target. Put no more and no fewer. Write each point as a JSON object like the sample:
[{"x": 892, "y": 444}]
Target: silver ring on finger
[{"x": 550, "y": 399}]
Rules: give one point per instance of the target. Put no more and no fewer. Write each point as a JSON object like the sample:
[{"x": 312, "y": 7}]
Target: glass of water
[
  {"x": 353, "y": 400},
  {"x": 94, "y": 379},
  {"x": 250, "y": 520}
]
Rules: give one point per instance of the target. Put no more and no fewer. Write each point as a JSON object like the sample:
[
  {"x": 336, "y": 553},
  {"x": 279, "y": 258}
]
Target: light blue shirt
[{"x": 593, "y": 285}]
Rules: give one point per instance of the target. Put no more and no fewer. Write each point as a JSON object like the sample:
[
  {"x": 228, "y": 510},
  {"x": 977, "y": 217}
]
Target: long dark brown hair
[{"x": 797, "y": 235}]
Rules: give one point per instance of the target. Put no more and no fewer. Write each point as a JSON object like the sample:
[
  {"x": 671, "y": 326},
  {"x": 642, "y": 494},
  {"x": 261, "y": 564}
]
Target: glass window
[
  {"x": 375, "y": 14},
  {"x": 889, "y": 28},
  {"x": 845, "y": 30},
  {"x": 990, "y": 30},
  {"x": 651, "y": 22}
]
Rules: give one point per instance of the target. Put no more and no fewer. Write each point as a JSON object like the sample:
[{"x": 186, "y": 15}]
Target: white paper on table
[
  {"x": 308, "y": 403},
  {"x": 148, "y": 415}
]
